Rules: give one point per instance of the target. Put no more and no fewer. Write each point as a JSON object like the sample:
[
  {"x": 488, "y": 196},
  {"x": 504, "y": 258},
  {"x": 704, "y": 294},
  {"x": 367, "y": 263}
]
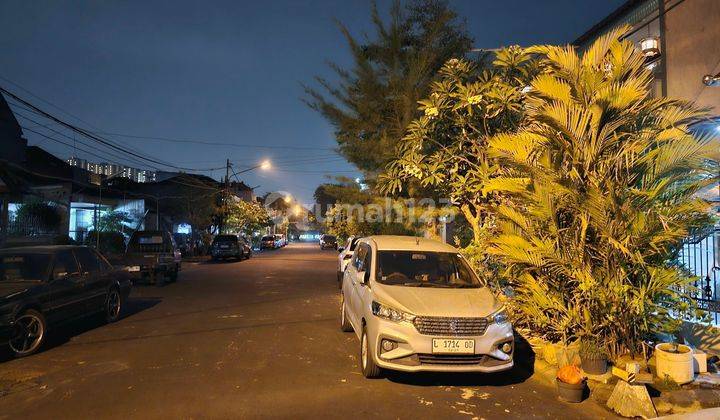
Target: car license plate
[
  {"x": 133, "y": 268},
  {"x": 451, "y": 345}
]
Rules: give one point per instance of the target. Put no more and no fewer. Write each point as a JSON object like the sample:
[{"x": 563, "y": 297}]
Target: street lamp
[{"x": 264, "y": 165}]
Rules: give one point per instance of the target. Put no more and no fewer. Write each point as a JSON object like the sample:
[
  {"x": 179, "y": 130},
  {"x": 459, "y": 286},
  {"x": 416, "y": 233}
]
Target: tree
[
  {"x": 446, "y": 148},
  {"x": 113, "y": 221},
  {"x": 342, "y": 190},
  {"x": 37, "y": 218},
  {"x": 246, "y": 217},
  {"x": 610, "y": 176},
  {"x": 374, "y": 101}
]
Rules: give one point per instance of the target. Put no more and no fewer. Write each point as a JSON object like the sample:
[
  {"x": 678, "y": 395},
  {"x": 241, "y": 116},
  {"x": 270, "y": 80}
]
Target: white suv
[{"x": 416, "y": 305}]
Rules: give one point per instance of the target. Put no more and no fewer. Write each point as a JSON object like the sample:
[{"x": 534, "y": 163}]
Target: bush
[{"x": 591, "y": 349}]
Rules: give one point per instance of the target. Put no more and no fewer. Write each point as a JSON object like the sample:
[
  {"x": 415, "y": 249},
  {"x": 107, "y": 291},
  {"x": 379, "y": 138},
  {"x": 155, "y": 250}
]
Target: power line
[
  {"x": 88, "y": 134},
  {"x": 73, "y": 139},
  {"x": 212, "y": 143},
  {"x": 16, "y": 105}
]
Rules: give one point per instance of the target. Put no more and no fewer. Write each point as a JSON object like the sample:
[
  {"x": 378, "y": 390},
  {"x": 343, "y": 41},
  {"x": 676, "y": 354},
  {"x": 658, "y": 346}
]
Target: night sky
[{"x": 226, "y": 72}]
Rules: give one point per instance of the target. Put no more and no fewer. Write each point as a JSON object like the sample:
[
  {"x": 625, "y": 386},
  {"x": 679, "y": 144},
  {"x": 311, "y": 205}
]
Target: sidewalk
[{"x": 695, "y": 399}]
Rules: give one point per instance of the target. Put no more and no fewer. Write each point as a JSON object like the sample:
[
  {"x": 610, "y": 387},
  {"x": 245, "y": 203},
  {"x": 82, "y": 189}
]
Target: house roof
[
  {"x": 8, "y": 123},
  {"x": 609, "y": 21}
]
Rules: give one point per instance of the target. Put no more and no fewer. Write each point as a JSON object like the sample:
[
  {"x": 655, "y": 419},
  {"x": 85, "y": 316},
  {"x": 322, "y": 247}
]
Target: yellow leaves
[
  {"x": 552, "y": 87},
  {"x": 508, "y": 185},
  {"x": 432, "y": 111},
  {"x": 475, "y": 99},
  {"x": 595, "y": 55}
]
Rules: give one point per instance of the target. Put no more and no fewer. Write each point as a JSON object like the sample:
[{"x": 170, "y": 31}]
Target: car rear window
[
  {"x": 268, "y": 238},
  {"x": 24, "y": 266},
  {"x": 226, "y": 238},
  {"x": 149, "y": 242}
]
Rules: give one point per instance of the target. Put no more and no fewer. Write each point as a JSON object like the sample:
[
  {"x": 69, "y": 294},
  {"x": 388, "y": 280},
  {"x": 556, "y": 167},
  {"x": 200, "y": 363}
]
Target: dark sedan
[
  {"x": 230, "y": 246},
  {"x": 43, "y": 286}
]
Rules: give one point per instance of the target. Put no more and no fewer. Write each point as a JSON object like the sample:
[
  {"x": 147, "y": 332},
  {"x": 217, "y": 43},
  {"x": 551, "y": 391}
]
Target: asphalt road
[{"x": 258, "y": 338}]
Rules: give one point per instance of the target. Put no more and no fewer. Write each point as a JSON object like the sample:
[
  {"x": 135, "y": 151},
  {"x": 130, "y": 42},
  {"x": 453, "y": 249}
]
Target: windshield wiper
[{"x": 424, "y": 284}]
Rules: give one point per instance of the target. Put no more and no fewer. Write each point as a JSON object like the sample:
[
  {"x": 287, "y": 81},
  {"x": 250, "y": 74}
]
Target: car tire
[
  {"x": 367, "y": 361},
  {"x": 174, "y": 275},
  {"x": 28, "y": 335},
  {"x": 159, "y": 279},
  {"x": 345, "y": 325},
  {"x": 113, "y": 305}
]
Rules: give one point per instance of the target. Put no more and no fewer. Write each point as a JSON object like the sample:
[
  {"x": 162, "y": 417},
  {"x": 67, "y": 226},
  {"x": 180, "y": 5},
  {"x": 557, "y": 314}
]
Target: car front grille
[
  {"x": 450, "y": 326},
  {"x": 454, "y": 359}
]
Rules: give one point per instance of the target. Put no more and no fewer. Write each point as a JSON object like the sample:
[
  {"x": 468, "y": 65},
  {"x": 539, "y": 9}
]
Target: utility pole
[{"x": 225, "y": 195}]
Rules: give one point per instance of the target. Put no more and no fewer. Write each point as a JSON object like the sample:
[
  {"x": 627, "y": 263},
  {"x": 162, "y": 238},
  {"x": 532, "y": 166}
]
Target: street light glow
[
  {"x": 265, "y": 165},
  {"x": 287, "y": 198}
]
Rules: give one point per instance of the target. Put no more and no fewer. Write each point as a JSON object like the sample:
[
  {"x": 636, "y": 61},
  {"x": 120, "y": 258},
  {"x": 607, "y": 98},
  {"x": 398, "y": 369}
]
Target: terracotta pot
[
  {"x": 594, "y": 366},
  {"x": 573, "y": 393}
]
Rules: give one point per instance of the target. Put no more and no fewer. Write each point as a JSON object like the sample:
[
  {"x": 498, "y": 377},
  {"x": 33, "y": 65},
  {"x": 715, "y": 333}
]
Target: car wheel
[
  {"x": 28, "y": 333},
  {"x": 345, "y": 325},
  {"x": 174, "y": 275},
  {"x": 367, "y": 362},
  {"x": 159, "y": 279},
  {"x": 113, "y": 305}
]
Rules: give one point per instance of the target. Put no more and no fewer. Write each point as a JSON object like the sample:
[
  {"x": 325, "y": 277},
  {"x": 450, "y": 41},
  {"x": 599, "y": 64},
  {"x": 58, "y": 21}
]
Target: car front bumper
[{"x": 414, "y": 351}]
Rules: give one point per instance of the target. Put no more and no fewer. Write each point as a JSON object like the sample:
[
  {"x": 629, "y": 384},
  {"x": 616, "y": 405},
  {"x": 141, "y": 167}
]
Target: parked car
[
  {"x": 44, "y": 286},
  {"x": 345, "y": 254},
  {"x": 230, "y": 246},
  {"x": 328, "y": 241},
  {"x": 153, "y": 256},
  {"x": 416, "y": 305},
  {"x": 280, "y": 241},
  {"x": 268, "y": 242},
  {"x": 182, "y": 241}
]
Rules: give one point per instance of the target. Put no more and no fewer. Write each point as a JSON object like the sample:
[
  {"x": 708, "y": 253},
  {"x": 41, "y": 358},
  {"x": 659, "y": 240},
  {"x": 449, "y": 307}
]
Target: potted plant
[
  {"x": 594, "y": 357},
  {"x": 571, "y": 384},
  {"x": 674, "y": 361}
]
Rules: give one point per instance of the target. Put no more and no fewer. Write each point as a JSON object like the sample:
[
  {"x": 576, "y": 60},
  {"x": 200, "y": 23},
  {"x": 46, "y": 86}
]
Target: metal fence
[{"x": 700, "y": 254}]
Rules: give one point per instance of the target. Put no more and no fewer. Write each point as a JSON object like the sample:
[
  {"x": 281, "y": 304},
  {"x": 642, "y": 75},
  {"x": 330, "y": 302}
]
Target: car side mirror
[{"x": 365, "y": 277}]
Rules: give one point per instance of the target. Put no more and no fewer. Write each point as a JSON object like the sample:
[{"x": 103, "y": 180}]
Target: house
[{"x": 681, "y": 42}]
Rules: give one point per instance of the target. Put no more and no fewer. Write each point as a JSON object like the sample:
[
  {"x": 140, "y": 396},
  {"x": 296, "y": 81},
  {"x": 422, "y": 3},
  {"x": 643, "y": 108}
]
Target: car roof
[
  {"x": 39, "y": 249},
  {"x": 408, "y": 243}
]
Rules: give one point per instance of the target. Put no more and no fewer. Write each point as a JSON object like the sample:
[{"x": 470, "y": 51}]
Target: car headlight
[
  {"x": 500, "y": 317},
  {"x": 392, "y": 314}
]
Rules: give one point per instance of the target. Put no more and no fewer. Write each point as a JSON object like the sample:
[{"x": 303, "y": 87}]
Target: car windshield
[
  {"x": 268, "y": 238},
  {"x": 425, "y": 269},
  {"x": 329, "y": 238},
  {"x": 24, "y": 266}
]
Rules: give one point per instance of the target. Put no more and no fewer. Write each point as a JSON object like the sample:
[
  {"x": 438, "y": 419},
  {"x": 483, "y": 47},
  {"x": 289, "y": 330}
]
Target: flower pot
[
  {"x": 594, "y": 366},
  {"x": 574, "y": 393},
  {"x": 675, "y": 362}
]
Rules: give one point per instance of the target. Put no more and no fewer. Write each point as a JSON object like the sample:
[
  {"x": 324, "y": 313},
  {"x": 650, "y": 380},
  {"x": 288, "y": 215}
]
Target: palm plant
[{"x": 610, "y": 177}]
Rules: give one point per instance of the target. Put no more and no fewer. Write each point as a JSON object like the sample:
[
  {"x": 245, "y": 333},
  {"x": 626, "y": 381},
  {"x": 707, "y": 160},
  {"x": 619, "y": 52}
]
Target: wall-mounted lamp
[
  {"x": 650, "y": 46},
  {"x": 711, "y": 80}
]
